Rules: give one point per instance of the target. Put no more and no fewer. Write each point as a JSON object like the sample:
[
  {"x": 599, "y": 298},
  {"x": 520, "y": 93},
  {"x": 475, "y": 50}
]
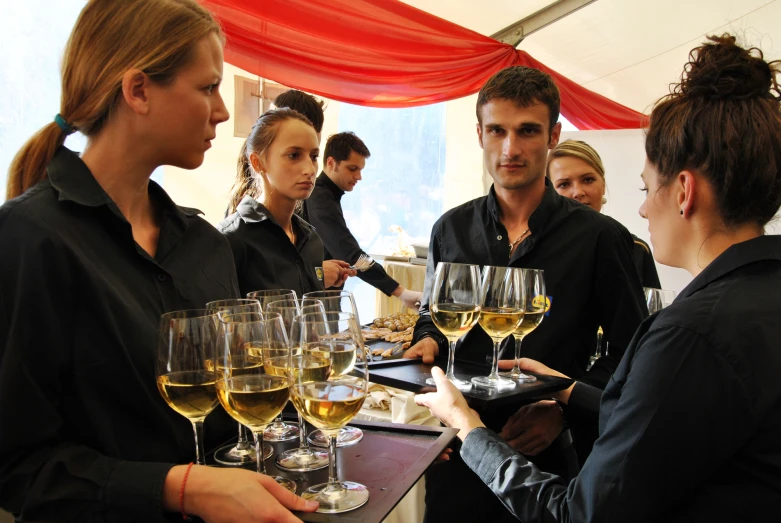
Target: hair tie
[{"x": 62, "y": 124}]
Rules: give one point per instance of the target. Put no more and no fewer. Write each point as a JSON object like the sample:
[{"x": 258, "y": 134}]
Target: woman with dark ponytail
[
  {"x": 690, "y": 423},
  {"x": 273, "y": 247},
  {"x": 92, "y": 253}
]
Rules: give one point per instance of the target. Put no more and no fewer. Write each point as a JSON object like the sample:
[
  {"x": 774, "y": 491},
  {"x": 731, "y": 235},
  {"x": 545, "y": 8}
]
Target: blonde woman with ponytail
[
  {"x": 92, "y": 253},
  {"x": 273, "y": 247}
]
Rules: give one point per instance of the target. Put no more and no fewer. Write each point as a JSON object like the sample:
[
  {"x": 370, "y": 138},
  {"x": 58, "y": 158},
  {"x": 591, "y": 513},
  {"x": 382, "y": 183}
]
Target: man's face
[
  {"x": 515, "y": 142},
  {"x": 346, "y": 174}
]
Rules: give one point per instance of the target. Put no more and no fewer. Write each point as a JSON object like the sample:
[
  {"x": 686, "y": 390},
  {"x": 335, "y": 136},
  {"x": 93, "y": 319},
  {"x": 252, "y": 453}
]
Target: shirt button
[
  {"x": 498, "y": 238},
  {"x": 162, "y": 277}
]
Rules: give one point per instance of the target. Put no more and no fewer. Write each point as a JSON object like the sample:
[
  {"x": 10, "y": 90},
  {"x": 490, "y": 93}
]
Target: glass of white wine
[
  {"x": 502, "y": 305},
  {"x": 303, "y": 458},
  {"x": 335, "y": 301},
  {"x": 242, "y": 452},
  {"x": 247, "y": 391},
  {"x": 455, "y": 306},
  {"x": 536, "y": 305},
  {"x": 658, "y": 299},
  {"x": 279, "y": 430},
  {"x": 330, "y": 404},
  {"x": 188, "y": 341}
]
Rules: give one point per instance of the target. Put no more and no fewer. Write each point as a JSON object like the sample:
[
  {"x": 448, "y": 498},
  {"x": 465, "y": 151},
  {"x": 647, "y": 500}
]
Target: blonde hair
[
  {"x": 109, "y": 38},
  {"x": 579, "y": 150}
]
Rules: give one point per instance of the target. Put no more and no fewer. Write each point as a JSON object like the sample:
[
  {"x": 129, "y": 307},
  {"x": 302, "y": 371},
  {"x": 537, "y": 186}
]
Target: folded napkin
[{"x": 401, "y": 404}]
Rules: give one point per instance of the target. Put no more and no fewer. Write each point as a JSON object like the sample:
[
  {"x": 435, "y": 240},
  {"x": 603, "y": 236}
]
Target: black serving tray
[
  {"x": 389, "y": 460},
  {"x": 411, "y": 375}
]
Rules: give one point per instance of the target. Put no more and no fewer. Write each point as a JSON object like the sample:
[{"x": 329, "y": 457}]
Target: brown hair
[
  {"x": 109, "y": 38},
  {"x": 581, "y": 151},
  {"x": 523, "y": 86},
  {"x": 259, "y": 140},
  {"x": 723, "y": 121},
  {"x": 339, "y": 146},
  {"x": 305, "y": 104}
]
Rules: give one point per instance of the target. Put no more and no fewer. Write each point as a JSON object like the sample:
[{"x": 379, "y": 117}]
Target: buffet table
[{"x": 410, "y": 276}]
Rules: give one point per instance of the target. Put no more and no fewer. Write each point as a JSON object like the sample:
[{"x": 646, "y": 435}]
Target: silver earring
[{"x": 604, "y": 200}]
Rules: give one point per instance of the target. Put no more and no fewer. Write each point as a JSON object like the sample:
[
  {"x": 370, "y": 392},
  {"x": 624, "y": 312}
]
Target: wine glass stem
[
  {"x": 332, "y": 475},
  {"x": 261, "y": 464},
  {"x": 451, "y": 356},
  {"x": 495, "y": 363},
  {"x": 199, "y": 452},
  {"x": 517, "y": 365},
  {"x": 243, "y": 442},
  {"x": 303, "y": 442}
]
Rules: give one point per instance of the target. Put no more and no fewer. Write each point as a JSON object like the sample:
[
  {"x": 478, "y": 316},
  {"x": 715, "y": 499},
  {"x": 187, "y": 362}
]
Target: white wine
[
  {"x": 341, "y": 355},
  {"x": 454, "y": 319},
  {"x": 305, "y": 368},
  {"x": 254, "y": 401},
  {"x": 531, "y": 320},
  {"x": 499, "y": 322},
  {"x": 260, "y": 351},
  {"x": 329, "y": 405},
  {"x": 190, "y": 393},
  {"x": 250, "y": 366}
]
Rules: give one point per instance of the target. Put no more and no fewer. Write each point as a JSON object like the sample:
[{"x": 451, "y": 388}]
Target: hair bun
[{"x": 722, "y": 69}]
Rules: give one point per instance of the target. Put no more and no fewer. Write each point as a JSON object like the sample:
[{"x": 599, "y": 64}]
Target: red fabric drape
[{"x": 384, "y": 53}]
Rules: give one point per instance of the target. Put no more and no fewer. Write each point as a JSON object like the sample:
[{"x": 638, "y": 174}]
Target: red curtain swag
[{"x": 384, "y": 53}]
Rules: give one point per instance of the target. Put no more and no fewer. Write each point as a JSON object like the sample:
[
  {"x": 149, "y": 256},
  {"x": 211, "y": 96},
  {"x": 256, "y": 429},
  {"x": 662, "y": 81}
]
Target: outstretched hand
[{"x": 449, "y": 405}]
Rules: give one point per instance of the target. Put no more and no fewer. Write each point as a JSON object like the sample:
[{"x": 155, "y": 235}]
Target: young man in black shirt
[
  {"x": 589, "y": 274},
  {"x": 344, "y": 159}
]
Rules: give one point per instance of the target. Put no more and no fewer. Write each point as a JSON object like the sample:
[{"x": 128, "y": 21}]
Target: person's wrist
[
  {"x": 397, "y": 291},
  {"x": 467, "y": 425}
]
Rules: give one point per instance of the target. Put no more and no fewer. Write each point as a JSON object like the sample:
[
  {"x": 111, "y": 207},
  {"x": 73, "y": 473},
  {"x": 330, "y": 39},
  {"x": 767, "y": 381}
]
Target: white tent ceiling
[{"x": 627, "y": 50}]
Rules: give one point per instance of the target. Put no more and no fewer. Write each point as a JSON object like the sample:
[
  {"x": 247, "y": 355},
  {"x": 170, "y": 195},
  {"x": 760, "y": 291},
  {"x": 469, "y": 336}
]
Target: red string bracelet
[{"x": 181, "y": 492}]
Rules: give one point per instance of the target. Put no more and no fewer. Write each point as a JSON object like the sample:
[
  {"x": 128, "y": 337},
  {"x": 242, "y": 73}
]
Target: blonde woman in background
[
  {"x": 92, "y": 253},
  {"x": 576, "y": 171}
]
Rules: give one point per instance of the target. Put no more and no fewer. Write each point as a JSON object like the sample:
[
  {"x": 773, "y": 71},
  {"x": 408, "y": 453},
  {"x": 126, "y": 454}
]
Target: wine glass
[
  {"x": 279, "y": 430},
  {"x": 502, "y": 301},
  {"x": 335, "y": 301},
  {"x": 303, "y": 458},
  {"x": 330, "y": 403},
  {"x": 455, "y": 306},
  {"x": 242, "y": 452},
  {"x": 535, "y": 307},
  {"x": 658, "y": 299},
  {"x": 188, "y": 341},
  {"x": 598, "y": 351},
  {"x": 247, "y": 391}
]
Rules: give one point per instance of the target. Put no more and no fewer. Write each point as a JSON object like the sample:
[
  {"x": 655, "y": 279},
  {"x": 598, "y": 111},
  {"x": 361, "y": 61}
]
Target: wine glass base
[
  {"x": 236, "y": 456},
  {"x": 302, "y": 460},
  {"x": 353, "y": 496},
  {"x": 488, "y": 382},
  {"x": 348, "y": 436},
  {"x": 457, "y": 383},
  {"x": 520, "y": 377},
  {"x": 290, "y": 485},
  {"x": 275, "y": 435}
]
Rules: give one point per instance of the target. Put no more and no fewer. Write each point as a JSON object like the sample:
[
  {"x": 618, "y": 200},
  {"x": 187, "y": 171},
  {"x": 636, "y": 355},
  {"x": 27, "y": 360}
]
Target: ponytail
[
  {"x": 244, "y": 183},
  {"x": 29, "y": 165}
]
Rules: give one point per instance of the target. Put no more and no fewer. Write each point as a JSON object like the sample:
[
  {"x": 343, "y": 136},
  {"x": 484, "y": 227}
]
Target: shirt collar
[
  {"x": 252, "y": 211},
  {"x": 541, "y": 216},
  {"x": 329, "y": 183},
  {"x": 735, "y": 257},
  {"x": 73, "y": 181}
]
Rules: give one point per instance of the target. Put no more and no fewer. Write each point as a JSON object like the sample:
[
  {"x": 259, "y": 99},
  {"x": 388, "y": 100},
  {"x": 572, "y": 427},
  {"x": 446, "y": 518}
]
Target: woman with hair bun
[
  {"x": 690, "y": 423},
  {"x": 576, "y": 171},
  {"x": 92, "y": 253}
]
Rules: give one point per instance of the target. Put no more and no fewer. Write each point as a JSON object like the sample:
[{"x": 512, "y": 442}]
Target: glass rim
[
  {"x": 188, "y": 314},
  {"x": 271, "y": 292},
  {"x": 234, "y": 301},
  {"x": 327, "y": 294},
  {"x": 263, "y": 317},
  {"x": 318, "y": 316}
]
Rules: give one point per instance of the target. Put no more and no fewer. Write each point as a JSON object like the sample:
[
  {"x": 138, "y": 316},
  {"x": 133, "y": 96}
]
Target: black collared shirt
[
  {"x": 590, "y": 280},
  {"x": 690, "y": 423},
  {"x": 323, "y": 210},
  {"x": 263, "y": 254},
  {"x": 84, "y": 432}
]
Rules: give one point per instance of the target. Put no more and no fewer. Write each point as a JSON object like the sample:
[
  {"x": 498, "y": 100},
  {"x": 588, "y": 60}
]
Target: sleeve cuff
[
  {"x": 484, "y": 452},
  {"x": 137, "y": 488}
]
